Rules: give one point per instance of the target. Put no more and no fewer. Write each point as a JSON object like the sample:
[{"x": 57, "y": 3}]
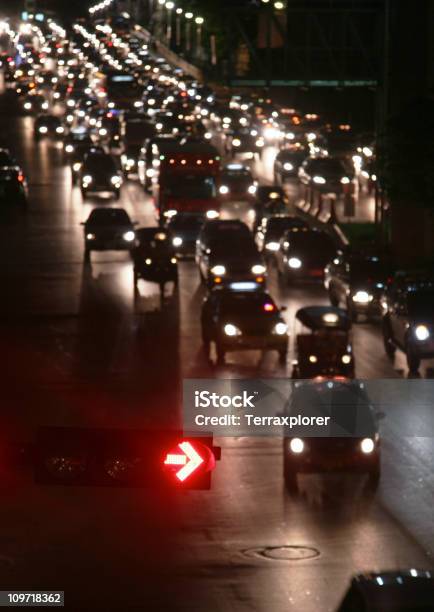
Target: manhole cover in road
[{"x": 283, "y": 553}]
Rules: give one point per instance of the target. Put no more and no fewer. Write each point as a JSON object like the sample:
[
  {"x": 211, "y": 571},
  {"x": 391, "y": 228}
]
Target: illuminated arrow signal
[{"x": 190, "y": 460}]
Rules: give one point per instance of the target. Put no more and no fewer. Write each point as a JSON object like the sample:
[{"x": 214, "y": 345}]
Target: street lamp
[
  {"x": 179, "y": 12},
  {"x": 199, "y": 22},
  {"x": 188, "y": 17},
  {"x": 170, "y": 6}
]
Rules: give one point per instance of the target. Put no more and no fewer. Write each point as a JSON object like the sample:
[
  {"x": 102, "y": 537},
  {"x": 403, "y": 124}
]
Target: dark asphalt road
[{"x": 77, "y": 350}]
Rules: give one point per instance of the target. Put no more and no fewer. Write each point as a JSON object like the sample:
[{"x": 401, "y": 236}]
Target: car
[
  {"x": 226, "y": 252},
  {"x": 99, "y": 173},
  {"x": 7, "y": 160},
  {"x": 358, "y": 282},
  {"x": 409, "y": 590},
  {"x": 358, "y": 451},
  {"x": 108, "y": 229},
  {"x": 13, "y": 186},
  {"x": 271, "y": 230},
  {"x": 184, "y": 229},
  {"x": 287, "y": 163},
  {"x": 303, "y": 254},
  {"x": 408, "y": 319},
  {"x": 327, "y": 175},
  {"x": 81, "y": 151},
  {"x": 237, "y": 183},
  {"x": 154, "y": 257},
  {"x": 264, "y": 195},
  {"x": 48, "y": 125},
  {"x": 35, "y": 103},
  {"x": 239, "y": 318},
  {"x": 244, "y": 141}
]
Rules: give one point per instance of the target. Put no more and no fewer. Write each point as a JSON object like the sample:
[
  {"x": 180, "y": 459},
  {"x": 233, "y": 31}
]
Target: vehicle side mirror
[
  {"x": 283, "y": 308},
  {"x": 82, "y": 223}
]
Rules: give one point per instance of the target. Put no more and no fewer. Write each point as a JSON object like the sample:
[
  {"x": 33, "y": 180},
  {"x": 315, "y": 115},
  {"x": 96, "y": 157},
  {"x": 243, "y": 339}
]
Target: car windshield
[
  {"x": 233, "y": 244},
  {"x": 326, "y": 166},
  {"x": 100, "y": 163},
  {"x": 186, "y": 222},
  {"x": 5, "y": 159},
  {"x": 368, "y": 269},
  {"x": 421, "y": 304},
  {"x": 277, "y": 225},
  {"x": 108, "y": 217},
  {"x": 191, "y": 186},
  {"x": 311, "y": 241}
]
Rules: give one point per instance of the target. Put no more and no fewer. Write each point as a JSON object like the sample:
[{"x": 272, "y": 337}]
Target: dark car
[
  {"x": 327, "y": 175},
  {"x": 184, "y": 229},
  {"x": 13, "y": 186},
  {"x": 303, "y": 254},
  {"x": 344, "y": 402},
  {"x": 7, "y": 160},
  {"x": 242, "y": 319},
  {"x": 399, "y": 591},
  {"x": 244, "y": 140},
  {"x": 287, "y": 163},
  {"x": 48, "y": 125},
  {"x": 99, "y": 173},
  {"x": 226, "y": 252},
  {"x": 271, "y": 230},
  {"x": 108, "y": 229},
  {"x": 237, "y": 183},
  {"x": 357, "y": 281},
  {"x": 408, "y": 320},
  {"x": 154, "y": 257},
  {"x": 35, "y": 103},
  {"x": 81, "y": 151}
]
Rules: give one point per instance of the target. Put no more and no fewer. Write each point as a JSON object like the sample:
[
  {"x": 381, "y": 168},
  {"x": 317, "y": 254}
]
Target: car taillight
[
  {"x": 190, "y": 459},
  {"x": 21, "y": 178}
]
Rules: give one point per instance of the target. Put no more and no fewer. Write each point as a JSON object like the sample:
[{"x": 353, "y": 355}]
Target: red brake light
[
  {"x": 269, "y": 307},
  {"x": 21, "y": 177}
]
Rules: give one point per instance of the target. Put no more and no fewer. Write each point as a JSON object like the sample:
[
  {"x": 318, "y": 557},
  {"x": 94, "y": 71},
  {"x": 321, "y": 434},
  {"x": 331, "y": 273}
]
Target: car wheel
[
  {"x": 413, "y": 360},
  {"x": 220, "y": 354},
  {"x": 373, "y": 479},
  {"x": 334, "y": 300},
  {"x": 290, "y": 478},
  {"x": 389, "y": 347}
]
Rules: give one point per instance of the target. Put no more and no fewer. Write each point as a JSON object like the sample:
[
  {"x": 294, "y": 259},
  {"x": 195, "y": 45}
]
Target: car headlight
[
  {"x": 129, "y": 236},
  {"x": 258, "y": 269},
  {"x": 319, "y": 180},
  {"x": 252, "y": 189},
  {"x": 60, "y": 130},
  {"x": 212, "y": 214},
  {"x": 70, "y": 103},
  {"x": 362, "y": 297},
  {"x": 236, "y": 142},
  {"x": 76, "y": 167},
  {"x": 280, "y": 329},
  {"x": 177, "y": 241},
  {"x": 138, "y": 103},
  {"x": 170, "y": 213},
  {"x": 69, "y": 118},
  {"x": 313, "y": 359},
  {"x": 346, "y": 359},
  {"x": 87, "y": 178},
  {"x": 345, "y": 180},
  {"x": 223, "y": 189},
  {"x": 296, "y": 445},
  {"x": 69, "y": 148},
  {"x": 90, "y": 236},
  {"x": 231, "y": 330},
  {"x": 218, "y": 270},
  {"x": 294, "y": 263},
  {"x": 27, "y": 106},
  {"x": 422, "y": 332},
  {"x": 272, "y": 246},
  {"x": 44, "y": 105},
  {"x": 208, "y": 135},
  {"x": 115, "y": 180},
  {"x": 287, "y": 166},
  {"x": 367, "y": 445},
  {"x": 43, "y": 129},
  {"x": 260, "y": 142},
  {"x": 102, "y": 132},
  {"x": 150, "y": 172}
]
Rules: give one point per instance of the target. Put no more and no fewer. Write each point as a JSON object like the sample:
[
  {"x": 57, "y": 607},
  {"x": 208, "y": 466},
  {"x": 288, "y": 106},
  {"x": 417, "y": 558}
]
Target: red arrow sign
[{"x": 190, "y": 460}]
